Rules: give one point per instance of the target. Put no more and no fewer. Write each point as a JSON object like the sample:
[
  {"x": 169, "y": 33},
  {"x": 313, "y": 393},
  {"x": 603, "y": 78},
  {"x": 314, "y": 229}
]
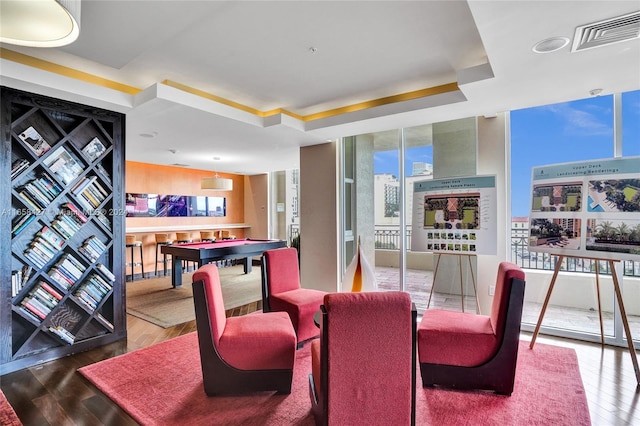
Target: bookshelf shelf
[{"x": 65, "y": 261}]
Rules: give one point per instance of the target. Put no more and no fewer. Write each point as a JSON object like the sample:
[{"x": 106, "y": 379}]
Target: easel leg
[
  {"x": 475, "y": 288},
  {"x": 599, "y": 304},
  {"x": 546, "y": 301},
  {"x": 625, "y": 323},
  {"x": 433, "y": 284}
]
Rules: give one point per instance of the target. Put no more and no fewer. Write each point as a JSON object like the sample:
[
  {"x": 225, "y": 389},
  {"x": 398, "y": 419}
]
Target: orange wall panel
[{"x": 143, "y": 178}]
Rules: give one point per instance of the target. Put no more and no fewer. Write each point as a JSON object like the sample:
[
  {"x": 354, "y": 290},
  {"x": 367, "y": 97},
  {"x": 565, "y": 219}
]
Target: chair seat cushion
[
  {"x": 259, "y": 342},
  {"x": 301, "y": 304},
  {"x": 468, "y": 340}
]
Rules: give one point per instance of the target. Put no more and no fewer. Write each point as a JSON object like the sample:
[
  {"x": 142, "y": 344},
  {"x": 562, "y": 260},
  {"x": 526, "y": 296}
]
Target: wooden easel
[
  {"x": 623, "y": 313},
  {"x": 473, "y": 279}
]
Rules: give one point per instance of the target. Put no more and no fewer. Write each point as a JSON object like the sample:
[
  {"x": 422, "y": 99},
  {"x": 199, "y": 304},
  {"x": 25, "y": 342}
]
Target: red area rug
[{"x": 162, "y": 385}]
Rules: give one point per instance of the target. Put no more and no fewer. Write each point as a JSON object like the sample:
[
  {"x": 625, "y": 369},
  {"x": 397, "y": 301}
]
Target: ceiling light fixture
[
  {"x": 217, "y": 183},
  {"x": 595, "y": 92},
  {"x": 549, "y": 45},
  {"x": 42, "y": 23}
]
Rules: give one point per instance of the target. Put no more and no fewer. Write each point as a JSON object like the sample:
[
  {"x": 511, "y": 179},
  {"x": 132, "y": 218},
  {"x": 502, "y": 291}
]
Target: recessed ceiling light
[
  {"x": 550, "y": 44},
  {"x": 148, "y": 134},
  {"x": 595, "y": 92},
  {"x": 217, "y": 158},
  {"x": 173, "y": 151}
]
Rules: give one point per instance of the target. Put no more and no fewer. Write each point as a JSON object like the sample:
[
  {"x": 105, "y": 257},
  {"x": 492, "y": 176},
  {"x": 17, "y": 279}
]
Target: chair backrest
[
  {"x": 183, "y": 236},
  {"x": 507, "y": 271},
  {"x": 162, "y": 238},
  {"x": 370, "y": 357},
  {"x": 215, "y": 303},
  {"x": 282, "y": 272}
]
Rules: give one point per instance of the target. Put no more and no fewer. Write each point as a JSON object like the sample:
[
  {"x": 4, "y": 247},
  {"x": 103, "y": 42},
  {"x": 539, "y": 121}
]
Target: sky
[{"x": 550, "y": 134}]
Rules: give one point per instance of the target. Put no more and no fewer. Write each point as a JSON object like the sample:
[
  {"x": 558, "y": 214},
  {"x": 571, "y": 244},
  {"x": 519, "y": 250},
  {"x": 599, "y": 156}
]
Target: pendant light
[{"x": 39, "y": 23}]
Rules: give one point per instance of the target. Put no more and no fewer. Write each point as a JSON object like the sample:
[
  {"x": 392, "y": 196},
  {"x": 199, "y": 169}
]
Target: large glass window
[{"x": 559, "y": 133}]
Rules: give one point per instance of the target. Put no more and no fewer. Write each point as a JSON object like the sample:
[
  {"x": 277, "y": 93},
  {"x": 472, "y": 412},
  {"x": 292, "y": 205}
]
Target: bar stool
[
  {"x": 224, "y": 234},
  {"x": 207, "y": 236},
  {"x": 131, "y": 243},
  {"x": 185, "y": 237},
  {"x": 162, "y": 240}
]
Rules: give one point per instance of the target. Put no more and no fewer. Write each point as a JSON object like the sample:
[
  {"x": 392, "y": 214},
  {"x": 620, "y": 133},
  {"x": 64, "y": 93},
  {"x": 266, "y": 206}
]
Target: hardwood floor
[{"x": 55, "y": 394}]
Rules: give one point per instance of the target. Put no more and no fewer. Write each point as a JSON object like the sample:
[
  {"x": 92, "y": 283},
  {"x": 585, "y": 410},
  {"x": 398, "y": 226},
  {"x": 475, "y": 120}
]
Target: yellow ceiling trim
[
  {"x": 228, "y": 102},
  {"x": 401, "y": 97},
  {"x": 93, "y": 79},
  {"x": 416, "y": 94},
  {"x": 211, "y": 97},
  {"x": 66, "y": 71}
]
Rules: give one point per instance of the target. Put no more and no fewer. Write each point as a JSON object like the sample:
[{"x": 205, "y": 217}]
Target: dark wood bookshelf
[{"x": 62, "y": 229}]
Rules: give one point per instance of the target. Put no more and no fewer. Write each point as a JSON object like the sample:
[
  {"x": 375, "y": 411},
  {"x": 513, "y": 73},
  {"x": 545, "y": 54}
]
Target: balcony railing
[{"x": 388, "y": 238}]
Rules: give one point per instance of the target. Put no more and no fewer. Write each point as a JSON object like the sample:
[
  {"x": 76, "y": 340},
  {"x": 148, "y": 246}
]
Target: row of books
[
  {"x": 103, "y": 171},
  {"x": 69, "y": 220},
  {"x": 45, "y": 246},
  {"x": 40, "y": 301},
  {"x": 102, "y": 218},
  {"x": 89, "y": 193},
  {"x": 19, "y": 278},
  {"x": 92, "y": 248},
  {"x": 20, "y": 222},
  {"x": 93, "y": 290},
  {"x": 40, "y": 192},
  {"x": 63, "y": 334},
  {"x": 19, "y": 166},
  {"x": 106, "y": 322},
  {"x": 106, "y": 271},
  {"x": 67, "y": 271}
]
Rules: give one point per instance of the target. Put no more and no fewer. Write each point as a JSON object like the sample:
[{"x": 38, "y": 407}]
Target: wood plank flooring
[{"x": 55, "y": 394}]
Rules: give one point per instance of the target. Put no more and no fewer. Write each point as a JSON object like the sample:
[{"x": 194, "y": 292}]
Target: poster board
[
  {"x": 587, "y": 209},
  {"x": 455, "y": 215}
]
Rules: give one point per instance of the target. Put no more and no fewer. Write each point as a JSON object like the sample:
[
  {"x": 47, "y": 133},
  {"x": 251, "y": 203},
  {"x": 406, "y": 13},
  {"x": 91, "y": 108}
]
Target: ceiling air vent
[{"x": 607, "y": 32}]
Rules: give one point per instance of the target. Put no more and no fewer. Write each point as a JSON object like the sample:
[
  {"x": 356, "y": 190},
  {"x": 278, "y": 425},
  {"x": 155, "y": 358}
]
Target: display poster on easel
[
  {"x": 455, "y": 215},
  {"x": 587, "y": 209}
]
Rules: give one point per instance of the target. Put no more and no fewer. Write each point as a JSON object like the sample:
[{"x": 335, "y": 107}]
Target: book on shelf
[
  {"x": 41, "y": 300},
  {"x": 33, "y": 310},
  {"x": 30, "y": 201},
  {"x": 18, "y": 167},
  {"x": 92, "y": 248},
  {"x": 52, "y": 237},
  {"x": 105, "y": 321},
  {"x": 20, "y": 222},
  {"x": 104, "y": 172},
  {"x": 63, "y": 164},
  {"x": 63, "y": 334},
  {"x": 102, "y": 268},
  {"x": 94, "y": 149},
  {"x": 35, "y": 141},
  {"x": 17, "y": 282},
  {"x": 60, "y": 279}
]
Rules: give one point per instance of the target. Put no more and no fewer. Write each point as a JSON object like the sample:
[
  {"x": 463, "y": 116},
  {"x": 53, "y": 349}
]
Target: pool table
[{"x": 205, "y": 252}]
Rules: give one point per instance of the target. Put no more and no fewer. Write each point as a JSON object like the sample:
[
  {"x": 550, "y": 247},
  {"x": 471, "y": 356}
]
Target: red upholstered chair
[
  {"x": 281, "y": 291},
  {"x": 240, "y": 354},
  {"x": 364, "y": 364},
  {"x": 467, "y": 351}
]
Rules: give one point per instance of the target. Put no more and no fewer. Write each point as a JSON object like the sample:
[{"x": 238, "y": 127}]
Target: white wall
[{"x": 492, "y": 160}]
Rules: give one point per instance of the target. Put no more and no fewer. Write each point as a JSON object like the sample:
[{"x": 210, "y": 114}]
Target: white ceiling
[{"x": 258, "y": 55}]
